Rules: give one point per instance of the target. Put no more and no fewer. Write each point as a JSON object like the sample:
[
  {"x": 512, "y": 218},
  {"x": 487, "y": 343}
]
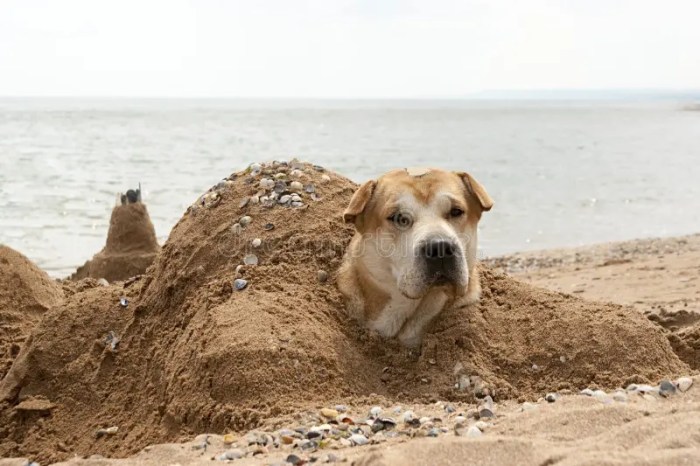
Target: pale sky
[{"x": 343, "y": 48}]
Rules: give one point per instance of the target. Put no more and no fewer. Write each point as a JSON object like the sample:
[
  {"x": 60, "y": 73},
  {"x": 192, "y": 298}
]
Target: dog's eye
[
  {"x": 456, "y": 212},
  {"x": 401, "y": 220}
]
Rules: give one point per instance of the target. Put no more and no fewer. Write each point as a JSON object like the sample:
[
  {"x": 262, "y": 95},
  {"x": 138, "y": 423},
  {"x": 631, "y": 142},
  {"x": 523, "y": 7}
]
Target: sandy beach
[{"x": 573, "y": 356}]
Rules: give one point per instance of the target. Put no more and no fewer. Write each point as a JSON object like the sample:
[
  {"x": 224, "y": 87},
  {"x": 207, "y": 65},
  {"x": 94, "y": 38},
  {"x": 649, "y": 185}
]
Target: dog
[{"x": 414, "y": 250}]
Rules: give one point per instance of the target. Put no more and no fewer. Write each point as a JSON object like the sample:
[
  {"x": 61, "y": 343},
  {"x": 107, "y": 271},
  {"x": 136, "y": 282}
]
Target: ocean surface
[{"x": 561, "y": 173}]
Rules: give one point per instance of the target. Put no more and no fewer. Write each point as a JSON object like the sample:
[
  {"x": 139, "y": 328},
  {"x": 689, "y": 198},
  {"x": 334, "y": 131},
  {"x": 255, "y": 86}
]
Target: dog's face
[{"x": 418, "y": 228}]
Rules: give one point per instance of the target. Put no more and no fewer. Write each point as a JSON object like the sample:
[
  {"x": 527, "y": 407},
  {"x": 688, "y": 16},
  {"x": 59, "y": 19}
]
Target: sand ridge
[{"x": 196, "y": 355}]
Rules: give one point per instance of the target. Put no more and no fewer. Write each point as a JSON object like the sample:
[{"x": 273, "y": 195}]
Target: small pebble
[
  {"x": 666, "y": 388},
  {"x": 340, "y": 408},
  {"x": 325, "y": 179},
  {"x": 296, "y": 187},
  {"x": 433, "y": 432},
  {"x": 359, "y": 439},
  {"x": 407, "y": 416},
  {"x": 587, "y": 392},
  {"x": 619, "y": 396},
  {"x": 280, "y": 186},
  {"x": 322, "y": 276},
  {"x": 474, "y": 432},
  {"x": 481, "y": 425},
  {"x": 296, "y": 173},
  {"x": 229, "y": 439},
  {"x": 239, "y": 284},
  {"x": 424, "y": 420},
  {"x": 319, "y": 168},
  {"x": 310, "y": 188},
  {"x": 250, "y": 259},
  {"x": 245, "y": 221},
  {"x": 551, "y": 397},
  {"x": 255, "y": 168},
  {"x": 123, "y": 302},
  {"x": 102, "y": 282},
  {"x": 294, "y": 459},
  {"x": 449, "y": 409},
  {"x": 267, "y": 183},
  {"x": 236, "y": 228},
  {"x": 297, "y": 204},
  {"x": 269, "y": 226},
  {"x": 231, "y": 455},
  {"x": 684, "y": 383},
  {"x": 257, "y": 242},
  {"x": 284, "y": 199},
  {"x": 254, "y": 199},
  {"x": 329, "y": 413},
  {"x": 108, "y": 431},
  {"x": 244, "y": 202},
  {"x": 375, "y": 411}
]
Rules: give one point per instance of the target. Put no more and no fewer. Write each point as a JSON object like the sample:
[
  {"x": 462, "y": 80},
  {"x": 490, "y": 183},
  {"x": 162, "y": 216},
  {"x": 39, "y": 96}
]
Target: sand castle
[
  {"x": 198, "y": 354},
  {"x": 131, "y": 243}
]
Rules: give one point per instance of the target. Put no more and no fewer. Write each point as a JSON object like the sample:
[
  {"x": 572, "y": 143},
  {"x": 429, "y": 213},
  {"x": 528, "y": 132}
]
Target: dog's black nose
[
  {"x": 440, "y": 260},
  {"x": 439, "y": 249}
]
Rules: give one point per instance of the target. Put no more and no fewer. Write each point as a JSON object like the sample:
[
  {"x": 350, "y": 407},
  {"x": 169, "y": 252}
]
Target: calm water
[{"x": 561, "y": 173}]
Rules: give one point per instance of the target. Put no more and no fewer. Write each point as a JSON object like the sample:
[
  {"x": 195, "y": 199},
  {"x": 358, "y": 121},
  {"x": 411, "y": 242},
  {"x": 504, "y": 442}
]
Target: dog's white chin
[{"x": 412, "y": 290}]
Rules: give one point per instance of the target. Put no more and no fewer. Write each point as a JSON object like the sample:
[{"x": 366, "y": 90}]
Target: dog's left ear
[
  {"x": 359, "y": 202},
  {"x": 477, "y": 190}
]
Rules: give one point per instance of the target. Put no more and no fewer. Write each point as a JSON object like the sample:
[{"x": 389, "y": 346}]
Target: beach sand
[{"x": 123, "y": 370}]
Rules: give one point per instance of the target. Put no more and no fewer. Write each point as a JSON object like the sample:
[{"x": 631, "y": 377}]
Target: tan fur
[{"x": 382, "y": 277}]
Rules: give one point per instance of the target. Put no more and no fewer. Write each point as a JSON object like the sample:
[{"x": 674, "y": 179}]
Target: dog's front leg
[{"x": 411, "y": 334}]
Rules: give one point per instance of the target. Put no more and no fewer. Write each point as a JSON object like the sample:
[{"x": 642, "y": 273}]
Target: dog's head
[{"x": 418, "y": 228}]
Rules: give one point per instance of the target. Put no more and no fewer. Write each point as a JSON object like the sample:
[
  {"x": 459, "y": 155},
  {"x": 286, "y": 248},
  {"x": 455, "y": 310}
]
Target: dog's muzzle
[{"x": 441, "y": 258}]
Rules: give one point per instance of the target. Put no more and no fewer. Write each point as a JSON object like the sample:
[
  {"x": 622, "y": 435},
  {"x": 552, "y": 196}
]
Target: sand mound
[
  {"x": 197, "y": 355},
  {"x": 686, "y": 343},
  {"x": 25, "y": 294},
  {"x": 131, "y": 246}
]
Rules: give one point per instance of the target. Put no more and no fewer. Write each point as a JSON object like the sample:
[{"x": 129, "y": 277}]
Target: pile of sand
[
  {"x": 196, "y": 355},
  {"x": 131, "y": 246},
  {"x": 26, "y": 292}
]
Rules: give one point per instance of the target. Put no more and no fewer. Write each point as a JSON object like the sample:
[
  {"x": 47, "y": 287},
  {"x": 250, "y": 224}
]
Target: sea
[{"x": 561, "y": 172}]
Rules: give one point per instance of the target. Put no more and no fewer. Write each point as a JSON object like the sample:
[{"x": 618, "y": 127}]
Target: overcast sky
[{"x": 343, "y": 48}]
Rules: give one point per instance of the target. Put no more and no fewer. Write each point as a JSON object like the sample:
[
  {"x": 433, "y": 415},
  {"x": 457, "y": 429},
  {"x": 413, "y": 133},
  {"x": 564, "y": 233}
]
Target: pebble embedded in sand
[
  {"x": 236, "y": 229},
  {"x": 284, "y": 199},
  {"x": 375, "y": 411},
  {"x": 250, "y": 259},
  {"x": 296, "y": 187},
  {"x": 267, "y": 183},
  {"x": 359, "y": 439},
  {"x": 245, "y": 221},
  {"x": 107, "y": 431},
  {"x": 473, "y": 431},
  {"x": 684, "y": 383},
  {"x": 551, "y": 397},
  {"x": 620, "y": 396},
  {"x": 310, "y": 188},
  {"x": 254, "y": 200},
  {"x": 240, "y": 284},
  {"x": 322, "y": 276},
  {"x": 123, "y": 302},
  {"x": 102, "y": 282},
  {"x": 280, "y": 186},
  {"x": 269, "y": 226},
  {"x": 255, "y": 168},
  {"x": 329, "y": 413},
  {"x": 325, "y": 179},
  {"x": 296, "y": 173},
  {"x": 244, "y": 202},
  {"x": 587, "y": 392},
  {"x": 407, "y": 416},
  {"x": 666, "y": 388},
  {"x": 256, "y": 242}
]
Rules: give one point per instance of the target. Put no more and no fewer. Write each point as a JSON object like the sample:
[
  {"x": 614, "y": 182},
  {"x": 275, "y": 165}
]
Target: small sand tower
[{"x": 131, "y": 242}]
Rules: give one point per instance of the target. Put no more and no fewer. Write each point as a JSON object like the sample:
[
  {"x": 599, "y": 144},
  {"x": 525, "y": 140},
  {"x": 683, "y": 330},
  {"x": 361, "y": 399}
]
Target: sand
[
  {"x": 26, "y": 293},
  {"x": 130, "y": 249},
  {"x": 659, "y": 277},
  {"x": 195, "y": 355}
]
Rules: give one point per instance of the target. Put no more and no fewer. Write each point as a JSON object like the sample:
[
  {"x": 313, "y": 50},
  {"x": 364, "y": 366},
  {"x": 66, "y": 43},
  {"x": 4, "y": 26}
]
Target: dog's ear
[
  {"x": 477, "y": 190},
  {"x": 359, "y": 202}
]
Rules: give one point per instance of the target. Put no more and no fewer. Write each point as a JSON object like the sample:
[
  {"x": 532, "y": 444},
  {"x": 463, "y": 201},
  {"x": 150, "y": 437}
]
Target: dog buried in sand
[{"x": 414, "y": 250}]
